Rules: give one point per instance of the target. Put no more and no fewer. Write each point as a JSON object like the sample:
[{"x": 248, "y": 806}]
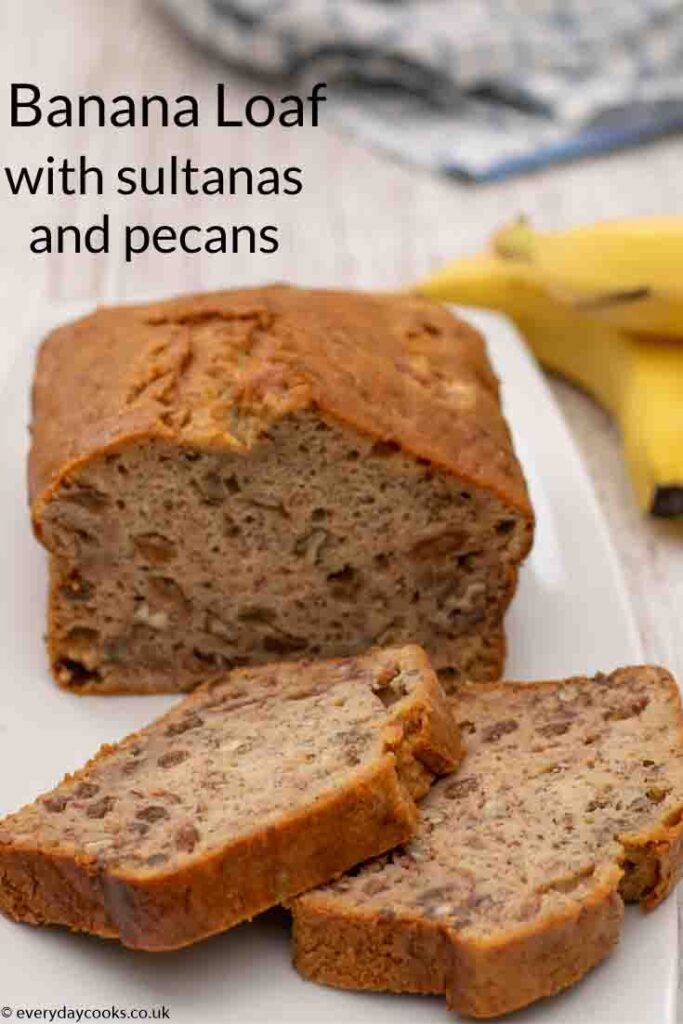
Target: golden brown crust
[
  {"x": 480, "y": 979},
  {"x": 46, "y": 889},
  {"x": 490, "y": 979},
  {"x": 393, "y": 367},
  {"x": 156, "y": 909},
  {"x": 653, "y": 862}
]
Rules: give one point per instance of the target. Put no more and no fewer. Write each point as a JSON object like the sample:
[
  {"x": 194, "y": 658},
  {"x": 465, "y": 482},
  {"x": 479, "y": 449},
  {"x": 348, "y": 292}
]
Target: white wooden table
[{"x": 362, "y": 220}]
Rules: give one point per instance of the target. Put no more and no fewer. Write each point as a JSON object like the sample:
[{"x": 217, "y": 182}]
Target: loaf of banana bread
[
  {"x": 228, "y": 478},
  {"x": 258, "y": 785},
  {"x": 569, "y": 801}
]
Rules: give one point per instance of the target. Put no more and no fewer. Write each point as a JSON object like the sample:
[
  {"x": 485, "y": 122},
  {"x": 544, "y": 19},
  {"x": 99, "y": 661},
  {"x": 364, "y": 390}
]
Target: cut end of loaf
[{"x": 170, "y": 564}]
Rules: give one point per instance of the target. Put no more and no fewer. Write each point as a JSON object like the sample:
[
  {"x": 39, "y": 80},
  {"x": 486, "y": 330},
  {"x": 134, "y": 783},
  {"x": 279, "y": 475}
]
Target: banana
[
  {"x": 629, "y": 272},
  {"x": 638, "y": 379}
]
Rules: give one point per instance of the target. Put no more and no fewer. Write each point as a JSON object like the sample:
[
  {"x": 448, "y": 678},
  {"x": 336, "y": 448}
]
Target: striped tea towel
[{"x": 478, "y": 88}]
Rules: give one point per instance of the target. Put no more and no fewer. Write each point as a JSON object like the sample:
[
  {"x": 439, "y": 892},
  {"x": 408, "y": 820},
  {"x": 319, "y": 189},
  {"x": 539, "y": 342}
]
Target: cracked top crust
[{"x": 215, "y": 370}]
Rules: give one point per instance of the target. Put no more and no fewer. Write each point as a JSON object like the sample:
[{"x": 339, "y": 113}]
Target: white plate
[{"x": 571, "y": 615}]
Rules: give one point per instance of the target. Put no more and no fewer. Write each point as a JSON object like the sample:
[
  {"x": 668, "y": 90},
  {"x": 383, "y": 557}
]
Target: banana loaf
[
  {"x": 257, "y": 786},
  {"x": 569, "y": 801},
  {"x": 228, "y": 478}
]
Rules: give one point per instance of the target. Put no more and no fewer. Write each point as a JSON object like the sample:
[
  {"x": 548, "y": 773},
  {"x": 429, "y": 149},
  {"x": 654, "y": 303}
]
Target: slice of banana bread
[
  {"x": 231, "y": 478},
  {"x": 261, "y": 784},
  {"x": 568, "y": 802}
]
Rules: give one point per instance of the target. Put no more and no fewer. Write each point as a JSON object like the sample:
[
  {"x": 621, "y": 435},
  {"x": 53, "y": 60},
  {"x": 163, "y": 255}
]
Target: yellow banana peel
[
  {"x": 627, "y": 272},
  {"x": 638, "y": 379}
]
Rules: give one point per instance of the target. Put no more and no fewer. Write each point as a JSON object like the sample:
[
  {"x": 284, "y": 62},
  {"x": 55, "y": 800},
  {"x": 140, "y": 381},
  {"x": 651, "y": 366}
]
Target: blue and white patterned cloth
[{"x": 479, "y": 88}]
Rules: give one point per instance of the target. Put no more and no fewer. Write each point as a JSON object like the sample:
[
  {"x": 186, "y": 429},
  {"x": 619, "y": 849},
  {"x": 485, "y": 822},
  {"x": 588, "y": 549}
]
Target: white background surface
[
  {"x": 362, "y": 221},
  {"x": 558, "y": 626}
]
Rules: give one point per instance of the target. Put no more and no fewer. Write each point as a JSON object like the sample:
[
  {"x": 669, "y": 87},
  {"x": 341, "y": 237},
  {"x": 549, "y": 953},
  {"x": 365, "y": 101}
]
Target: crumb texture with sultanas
[
  {"x": 273, "y": 473},
  {"x": 567, "y": 803},
  {"x": 258, "y": 785}
]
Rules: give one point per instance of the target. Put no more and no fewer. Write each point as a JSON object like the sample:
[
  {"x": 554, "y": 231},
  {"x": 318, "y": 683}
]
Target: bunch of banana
[{"x": 602, "y": 305}]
